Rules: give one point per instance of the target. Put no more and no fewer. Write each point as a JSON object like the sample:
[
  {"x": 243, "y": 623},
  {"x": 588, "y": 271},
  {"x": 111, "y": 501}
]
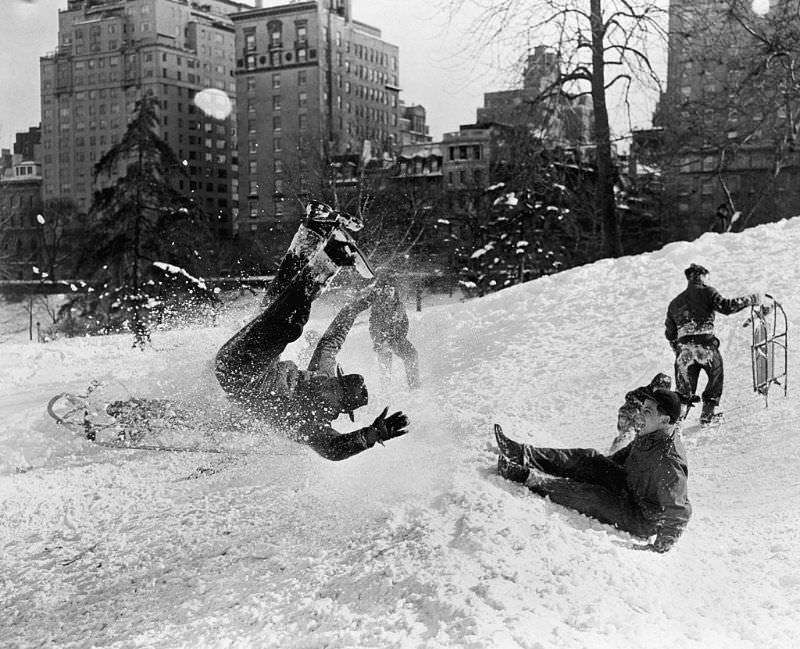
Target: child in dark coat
[{"x": 388, "y": 328}]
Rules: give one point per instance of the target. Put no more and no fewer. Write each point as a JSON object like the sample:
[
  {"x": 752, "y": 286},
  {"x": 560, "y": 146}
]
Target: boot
[
  {"x": 323, "y": 219},
  {"x": 508, "y": 447},
  {"x": 511, "y": 471},
  {"x": 707, "y": 415}
]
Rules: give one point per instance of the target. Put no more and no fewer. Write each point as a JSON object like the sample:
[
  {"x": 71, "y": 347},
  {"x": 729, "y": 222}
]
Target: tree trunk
[{"x": 604, "y": 190}]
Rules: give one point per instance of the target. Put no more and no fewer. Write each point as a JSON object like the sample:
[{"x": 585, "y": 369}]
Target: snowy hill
[{"x": 420, "y": 543}]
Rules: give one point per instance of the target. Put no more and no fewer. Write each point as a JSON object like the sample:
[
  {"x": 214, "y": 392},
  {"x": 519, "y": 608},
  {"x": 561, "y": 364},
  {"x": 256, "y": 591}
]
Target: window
[
  {"x": 302, "y": 33},
  {"x": 302, "y": 121},
  {"x": 276, "y": 123},
  {"x": 276, "y": 81},
  {"x": 253, "y": 167},
  {"x": 278, "y": 166},
  {"x": 250, "y": 41},
  {"x": 302, "y": 100},
  {"x": 301, "y": 77},
  {"x": 276, "y": 144},
  {"x": 276, "y": 102},
  {"x": 251, "y": 86},
  {"x": 274, "y": 29}
]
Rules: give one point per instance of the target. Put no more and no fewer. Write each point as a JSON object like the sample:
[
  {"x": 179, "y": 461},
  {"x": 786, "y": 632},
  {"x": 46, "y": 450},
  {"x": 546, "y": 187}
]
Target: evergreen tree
[{"x": 138, "y": 219}]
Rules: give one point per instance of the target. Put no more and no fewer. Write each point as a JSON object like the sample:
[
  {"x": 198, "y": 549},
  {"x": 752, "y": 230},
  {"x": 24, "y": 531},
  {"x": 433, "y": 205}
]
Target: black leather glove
[
  {"x": 390, "y": 427},
  {"x": 383, "y": 428}
]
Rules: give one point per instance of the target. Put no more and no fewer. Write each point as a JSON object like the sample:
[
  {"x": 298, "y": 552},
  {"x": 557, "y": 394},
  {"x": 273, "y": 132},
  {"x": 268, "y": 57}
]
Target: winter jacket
[
  {"x": 388, "y": 319},
  {"x": 691, "y": 313},
  {"x": 656, "y": 475}
]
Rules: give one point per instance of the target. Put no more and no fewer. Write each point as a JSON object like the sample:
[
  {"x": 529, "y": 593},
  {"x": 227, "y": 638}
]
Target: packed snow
[{"x": 419, "y": 543}]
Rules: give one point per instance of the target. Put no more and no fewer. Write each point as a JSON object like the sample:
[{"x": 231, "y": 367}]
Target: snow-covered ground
[{"x": 419, "y": 543}]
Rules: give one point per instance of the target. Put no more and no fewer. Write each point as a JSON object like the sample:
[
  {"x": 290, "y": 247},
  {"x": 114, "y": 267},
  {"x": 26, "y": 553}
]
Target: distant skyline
[{"x": 433, "y": 69}]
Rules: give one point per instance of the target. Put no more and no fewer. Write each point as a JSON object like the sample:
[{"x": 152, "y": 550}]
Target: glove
[{"x": 390, "y": 427}]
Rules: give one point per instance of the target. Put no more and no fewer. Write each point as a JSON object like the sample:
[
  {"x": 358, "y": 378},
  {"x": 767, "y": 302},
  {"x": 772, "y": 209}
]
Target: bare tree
[{"x": 600, "y": 46}]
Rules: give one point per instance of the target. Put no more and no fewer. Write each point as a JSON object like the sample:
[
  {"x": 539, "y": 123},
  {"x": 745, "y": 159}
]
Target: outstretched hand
[{"x": 389, "y": 427}]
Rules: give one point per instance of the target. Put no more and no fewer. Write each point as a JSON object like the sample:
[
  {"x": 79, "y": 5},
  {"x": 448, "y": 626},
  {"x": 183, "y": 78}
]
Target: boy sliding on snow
[
  {"x": 629, "y": 417},
  {"x": 300, "y": 402},
  {"x": 641, "y": 489},
  {"x": 689, "y": 328}
]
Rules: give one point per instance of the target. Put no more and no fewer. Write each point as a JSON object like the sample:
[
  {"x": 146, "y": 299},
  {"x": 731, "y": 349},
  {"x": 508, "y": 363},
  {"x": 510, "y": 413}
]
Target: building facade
[
  {"x": 112, "y": 52},
  {"x": 21, "y": 234},
  {"x": 552, "y": 118},
  {"x": 318, "y": 92},
  {"x": 725, "y": 122}
]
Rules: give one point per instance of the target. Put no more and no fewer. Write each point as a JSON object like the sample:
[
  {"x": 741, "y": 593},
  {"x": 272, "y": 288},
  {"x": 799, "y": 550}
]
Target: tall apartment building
[
  {"x": 724, "y": 122},
  {"x": 554, "y": 119},
  {"x": 315, "y": 86},
  {"x": 110, "y": 53},
  {"x": 20, "y": 202}
]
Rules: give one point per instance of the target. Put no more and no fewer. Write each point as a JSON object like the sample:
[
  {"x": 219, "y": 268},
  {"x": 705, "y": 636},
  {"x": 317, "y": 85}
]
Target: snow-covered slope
[{"x": 420, "y": 543}]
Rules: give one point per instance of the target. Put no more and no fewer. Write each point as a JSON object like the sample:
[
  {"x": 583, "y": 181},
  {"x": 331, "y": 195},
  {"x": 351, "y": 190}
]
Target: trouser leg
[
  {"x": 408, "y": 353},
  {"x": 687, "y": 371},
  {"x": 607, "y": 505},
  {"x": 248, "y": 353},
  {"x": 583, "y": 465},
  {"x": 715, "y": 372},
  {"x": 384, "y": 353},
  {"x": 305, "y": 244}
]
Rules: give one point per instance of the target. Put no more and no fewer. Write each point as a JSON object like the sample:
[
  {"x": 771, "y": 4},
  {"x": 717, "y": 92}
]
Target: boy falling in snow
[{"x": 305, "y": 402}]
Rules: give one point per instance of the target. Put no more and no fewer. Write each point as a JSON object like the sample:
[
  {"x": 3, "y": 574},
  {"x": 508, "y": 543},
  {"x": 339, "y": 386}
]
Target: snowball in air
[{"x": 214, "y": 103}]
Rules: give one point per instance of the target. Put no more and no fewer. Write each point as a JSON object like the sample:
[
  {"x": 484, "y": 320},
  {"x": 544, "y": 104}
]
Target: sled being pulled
[{"x": 769, "y": 348}]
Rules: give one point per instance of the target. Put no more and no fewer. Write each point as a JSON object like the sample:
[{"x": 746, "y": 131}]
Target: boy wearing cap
[
  {"x": 689, "y": 328},
  {"x": 629, "y": 416},
  {"x": 305, "y": 402},
  {"x": 641, "y": 489}
]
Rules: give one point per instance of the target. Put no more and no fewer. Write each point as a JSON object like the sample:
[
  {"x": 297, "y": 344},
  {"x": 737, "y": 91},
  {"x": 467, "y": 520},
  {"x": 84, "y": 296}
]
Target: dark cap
[
  {"x": 695, "y": 270},
  {"x": 354, "y": 392},
  {"x": 660, "y": 381},
  {"x": 669, "y": 403}
]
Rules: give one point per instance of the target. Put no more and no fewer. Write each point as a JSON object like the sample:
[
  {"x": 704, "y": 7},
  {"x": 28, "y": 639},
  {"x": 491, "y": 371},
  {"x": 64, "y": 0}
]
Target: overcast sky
[{"x": 434, "y": 71}]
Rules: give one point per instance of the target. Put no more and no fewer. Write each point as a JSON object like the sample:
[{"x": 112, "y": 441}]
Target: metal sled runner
[{"x": 769, "y": 349}]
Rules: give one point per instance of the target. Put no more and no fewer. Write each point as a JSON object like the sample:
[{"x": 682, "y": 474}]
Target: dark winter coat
[
  {"x": 388, "y": 319},
  {"x": 690, "y": 316},
  {"x": 656, "y": 474}
]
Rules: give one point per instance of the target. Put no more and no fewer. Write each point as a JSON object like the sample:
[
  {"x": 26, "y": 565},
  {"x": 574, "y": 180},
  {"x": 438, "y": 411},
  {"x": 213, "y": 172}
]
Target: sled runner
[
  {"x": 769, "y": 348},
  {"x": 109, "y": 417}
]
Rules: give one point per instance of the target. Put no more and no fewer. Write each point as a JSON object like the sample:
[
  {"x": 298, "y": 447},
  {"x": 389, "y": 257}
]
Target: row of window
[
  {"x": 277, "y": 57},
  {"x": 363, "y": 52},
  {"x": 275, "y": 34},
  {"x": 464, "y": 152},
  {"x": 463, "y": 177}
]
